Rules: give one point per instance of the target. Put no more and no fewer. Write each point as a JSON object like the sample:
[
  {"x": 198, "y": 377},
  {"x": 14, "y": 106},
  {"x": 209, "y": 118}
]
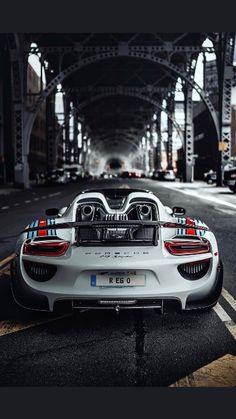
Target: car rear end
[{"x": 122, "y": 261}]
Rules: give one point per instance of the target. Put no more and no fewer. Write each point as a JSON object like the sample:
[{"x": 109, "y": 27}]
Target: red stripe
[
  {"x": 42, "y": 223},
  {"x": 190, "y": 221},
  {"x": 191, "y": 231}
]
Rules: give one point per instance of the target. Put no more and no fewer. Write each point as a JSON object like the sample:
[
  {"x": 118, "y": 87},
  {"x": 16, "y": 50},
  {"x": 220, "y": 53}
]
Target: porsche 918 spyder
[{"x": 115, "y": 249}]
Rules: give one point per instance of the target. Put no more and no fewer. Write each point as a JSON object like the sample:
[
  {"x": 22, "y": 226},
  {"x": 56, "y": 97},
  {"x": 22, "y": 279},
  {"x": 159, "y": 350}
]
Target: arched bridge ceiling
[{"x": 118, "y": 112}]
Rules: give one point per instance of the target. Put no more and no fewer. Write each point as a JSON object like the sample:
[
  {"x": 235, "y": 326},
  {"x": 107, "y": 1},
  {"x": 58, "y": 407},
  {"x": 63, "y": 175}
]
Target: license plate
[{"x": 118, "y": 280}]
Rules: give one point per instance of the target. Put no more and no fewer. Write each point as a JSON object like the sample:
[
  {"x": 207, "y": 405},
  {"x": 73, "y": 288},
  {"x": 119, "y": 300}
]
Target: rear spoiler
[{"x": 125, "y": 223}]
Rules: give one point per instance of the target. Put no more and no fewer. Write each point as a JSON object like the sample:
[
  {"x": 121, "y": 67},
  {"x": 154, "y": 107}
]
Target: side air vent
[
  {"x": 40, "y": 272},
  {"x": 194, "y": 270}
]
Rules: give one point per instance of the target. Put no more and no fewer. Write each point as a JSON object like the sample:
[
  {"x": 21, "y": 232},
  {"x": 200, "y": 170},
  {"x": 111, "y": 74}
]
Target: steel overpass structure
[{"x": 113, "y": 84}]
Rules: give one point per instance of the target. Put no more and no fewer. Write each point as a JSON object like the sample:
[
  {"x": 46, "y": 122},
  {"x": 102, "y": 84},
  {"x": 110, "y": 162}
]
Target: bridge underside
[{"x": 115, "y": 88}]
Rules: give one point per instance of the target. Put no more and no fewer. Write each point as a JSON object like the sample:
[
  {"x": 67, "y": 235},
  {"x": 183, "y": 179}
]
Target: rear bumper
[{"x": 43, "y": 296}]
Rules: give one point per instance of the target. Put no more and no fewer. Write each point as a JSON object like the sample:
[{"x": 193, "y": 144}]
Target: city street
[{"x": 135, "y": 347}]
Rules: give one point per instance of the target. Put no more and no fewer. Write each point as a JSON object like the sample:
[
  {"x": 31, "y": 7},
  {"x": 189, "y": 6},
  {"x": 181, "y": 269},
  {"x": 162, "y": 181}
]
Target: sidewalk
[
  {"x": 217, "y": 195},
  {"x": 9, "y": 188}
]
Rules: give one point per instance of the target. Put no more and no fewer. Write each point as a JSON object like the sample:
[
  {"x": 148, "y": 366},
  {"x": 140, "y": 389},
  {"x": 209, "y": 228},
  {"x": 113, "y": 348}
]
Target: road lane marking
[
  {"x": 16, "y": 204},
  {"x": 12, "y": 326},
  {"x": 36, "y": 199},
  {"x": 43, "y": 197},
  {"x": 219, "y": 373},
  {"x": 229, "y": 298},
  {"x": 54, "y": 194},
  {"x": 4, "y": 208},
  {"x": 124, "y": 186},
  {"x": 27, "y": 201},
  {"x": 196, "y": 195},
  {"x": 226, "y": 319},
  {"x": 7, "y": 260}
]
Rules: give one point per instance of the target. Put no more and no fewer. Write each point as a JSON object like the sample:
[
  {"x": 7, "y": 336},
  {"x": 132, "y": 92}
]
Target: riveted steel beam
[
  {"x": 150, "y": 56},
  {"x": 127, "y": 92},
  {"x": 225, "y": 58},
  {"x": 85, "y": 49},
  {"x": 188, "y": 137},
  {"x": 170, "y": 110}
]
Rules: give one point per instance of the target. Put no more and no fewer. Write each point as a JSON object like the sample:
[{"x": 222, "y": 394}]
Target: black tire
[{"x": 211, "y": 300}]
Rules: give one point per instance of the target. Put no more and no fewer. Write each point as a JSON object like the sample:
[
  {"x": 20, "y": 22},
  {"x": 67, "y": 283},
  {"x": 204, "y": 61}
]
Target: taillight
[
  {"x": 233, "y": 176},
  {"x": 194, "y": 270},
  {"x": 187, "y": 247},
  {"x": 46, "y": 248}
]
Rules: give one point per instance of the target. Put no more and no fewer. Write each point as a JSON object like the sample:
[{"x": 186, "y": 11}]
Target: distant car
[
  {"x": 230, "y": 179},
  {"x": 58, "y": 176},
  {"x": 106, "y": 175},
  {"x": 209, "y": 177},
  {"x": 116, "y": 249},
  {"x": 164, "y": 175},
  {"x": 130, "y": 174}
]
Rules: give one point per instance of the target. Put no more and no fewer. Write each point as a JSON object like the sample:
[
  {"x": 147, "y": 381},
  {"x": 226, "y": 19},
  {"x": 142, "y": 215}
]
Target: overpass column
[
  {"x": 51, "y": 131},
  {"x": 67, "y": 130},
  {"x": 159, "y": 142},
  {"x": 225, "y": 57},
  {"x": 188, "y": 135},
  {"x": 75, "y": 136},
  {"x": 2, "y": 154},
  {"x": 170, "y": 108}
]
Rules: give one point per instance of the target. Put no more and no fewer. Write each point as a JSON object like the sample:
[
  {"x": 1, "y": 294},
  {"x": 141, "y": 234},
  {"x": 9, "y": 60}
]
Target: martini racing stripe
[
  {"x": 44, "y": 232},
  {"x": 191, "y": 231}
]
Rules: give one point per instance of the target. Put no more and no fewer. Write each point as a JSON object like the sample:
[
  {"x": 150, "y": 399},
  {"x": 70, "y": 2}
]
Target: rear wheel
[{"x": 211, "y": 300}]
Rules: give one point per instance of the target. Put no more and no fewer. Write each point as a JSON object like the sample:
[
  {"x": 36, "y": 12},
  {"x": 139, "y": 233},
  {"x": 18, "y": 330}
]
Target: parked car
[
  {"x": 130, "y": 174},
  {"x": 164, "y": 175},
  {"x": 116, "y": 249},
  {"x": 230, "y": 179},
  {"x": 210, "y": 177},
  {"x": 58, "y": 176}
]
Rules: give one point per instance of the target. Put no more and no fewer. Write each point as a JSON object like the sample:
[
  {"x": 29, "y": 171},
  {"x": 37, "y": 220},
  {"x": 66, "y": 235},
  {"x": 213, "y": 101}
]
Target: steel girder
[
  {"x": 167, "y": 47},
  {"x": 132, "y": 93},
  {"x": 127, "y": 51},
  {"x": 24, "y": 120},
  {"x": 170, "y": 110},
  {"x": 159, "y": 143},
  {"x": 22, "y": 123},
  {"x": 224, "y": 58},
  {"x": 188, "y": 143},
  {"x": 51, "y": 131}
]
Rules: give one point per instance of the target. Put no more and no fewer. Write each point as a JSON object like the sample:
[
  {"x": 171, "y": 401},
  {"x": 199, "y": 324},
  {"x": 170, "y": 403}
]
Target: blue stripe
[
  {"x": 48, "y": 223},
  {"x": 35, "y": 233},
  {"x": 30, "y": 233}
]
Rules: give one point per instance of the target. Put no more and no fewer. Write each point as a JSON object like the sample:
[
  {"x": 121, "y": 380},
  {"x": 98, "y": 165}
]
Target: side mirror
[
  {"x": 61, "y": 211},
  {"x": 178, "y": 211},
  {"x": 52, "y": 211}
]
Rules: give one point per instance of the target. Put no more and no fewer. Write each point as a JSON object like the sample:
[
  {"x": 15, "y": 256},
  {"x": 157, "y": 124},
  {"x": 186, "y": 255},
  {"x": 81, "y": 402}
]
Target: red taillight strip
[
  {"x": 46, "y": 249},
  {"x": 184, "y": 248}
]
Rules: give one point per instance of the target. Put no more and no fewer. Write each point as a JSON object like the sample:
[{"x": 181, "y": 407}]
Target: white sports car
[{"x": 117, "y": 248}]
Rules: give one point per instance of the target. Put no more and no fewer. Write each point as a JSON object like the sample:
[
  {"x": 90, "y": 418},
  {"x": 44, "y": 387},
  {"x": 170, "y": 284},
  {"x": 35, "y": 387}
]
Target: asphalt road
[{"x": 134, "y": 348}]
